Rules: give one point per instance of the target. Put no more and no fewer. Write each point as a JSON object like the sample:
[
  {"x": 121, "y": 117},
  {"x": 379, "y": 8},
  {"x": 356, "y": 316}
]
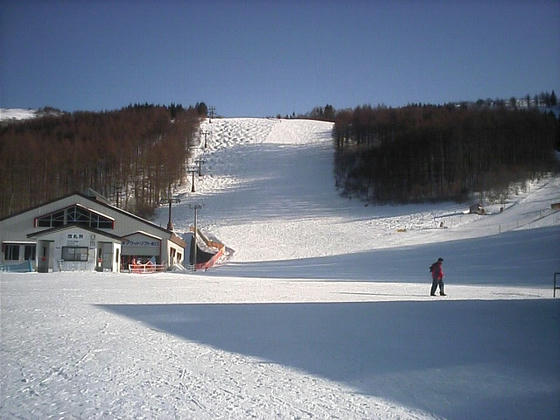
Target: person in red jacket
[{"x": 437, "y": 277}]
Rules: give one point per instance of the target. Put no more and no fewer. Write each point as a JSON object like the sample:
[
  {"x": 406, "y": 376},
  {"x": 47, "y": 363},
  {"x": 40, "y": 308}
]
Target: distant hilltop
[
  {"x": 544, "y": 102},
  {"x": 18, "y": 114}
]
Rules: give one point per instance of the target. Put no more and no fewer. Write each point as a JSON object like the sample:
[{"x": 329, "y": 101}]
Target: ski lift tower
[
  {"x": 192, "y": 170},
  {"x": 205, "y": 134},
  {"x": 199, "y": 162}
]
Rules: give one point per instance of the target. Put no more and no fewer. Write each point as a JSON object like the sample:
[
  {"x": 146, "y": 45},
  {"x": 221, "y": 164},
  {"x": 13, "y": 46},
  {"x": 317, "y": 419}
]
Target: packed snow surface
[{"x": 322, "y": 311}]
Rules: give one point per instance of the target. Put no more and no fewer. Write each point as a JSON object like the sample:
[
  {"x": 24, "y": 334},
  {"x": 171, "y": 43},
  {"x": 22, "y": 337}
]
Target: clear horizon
[{"x": 260, "y": 59}]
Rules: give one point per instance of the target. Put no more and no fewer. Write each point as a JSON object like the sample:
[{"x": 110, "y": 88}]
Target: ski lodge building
[{"x": 84, "y": 232}]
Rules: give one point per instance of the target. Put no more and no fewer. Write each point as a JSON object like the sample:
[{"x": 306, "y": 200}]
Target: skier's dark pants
[{"x": 435, "y": 284}]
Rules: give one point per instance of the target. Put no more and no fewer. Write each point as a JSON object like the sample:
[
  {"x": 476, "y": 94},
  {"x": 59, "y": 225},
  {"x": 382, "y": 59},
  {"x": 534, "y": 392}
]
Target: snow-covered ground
[{"x": 323, "y": 310}]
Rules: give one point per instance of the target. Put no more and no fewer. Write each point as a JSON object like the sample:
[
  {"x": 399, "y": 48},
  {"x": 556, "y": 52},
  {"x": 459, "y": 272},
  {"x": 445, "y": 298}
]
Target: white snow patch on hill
[
  {"x": 17, "y": 114},
  {"x": 20, "y": 114}
]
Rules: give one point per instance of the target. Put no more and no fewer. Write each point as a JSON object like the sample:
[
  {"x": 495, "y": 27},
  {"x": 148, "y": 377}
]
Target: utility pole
[{"x": 195, "y": 207}]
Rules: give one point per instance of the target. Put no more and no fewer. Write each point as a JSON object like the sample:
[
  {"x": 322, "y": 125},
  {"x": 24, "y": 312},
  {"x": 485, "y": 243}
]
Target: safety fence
[
  {"x": 210, "y": 263},
  {"x": 541, "y": 218},
  {"x": 148, "y": 268},
  {"x": 24, "y": 267},
  {"x": 537, "y": 219}
]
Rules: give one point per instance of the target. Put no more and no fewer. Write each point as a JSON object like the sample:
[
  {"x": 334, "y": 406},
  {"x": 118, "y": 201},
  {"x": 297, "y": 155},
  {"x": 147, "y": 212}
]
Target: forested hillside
[
  {"x": 419, "y": 153},
  {"x": 133, "y": 156}
]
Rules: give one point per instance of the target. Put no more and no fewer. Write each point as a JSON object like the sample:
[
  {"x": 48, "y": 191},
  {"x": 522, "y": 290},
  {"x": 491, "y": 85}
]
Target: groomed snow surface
[{"x": 323, "y": 310}]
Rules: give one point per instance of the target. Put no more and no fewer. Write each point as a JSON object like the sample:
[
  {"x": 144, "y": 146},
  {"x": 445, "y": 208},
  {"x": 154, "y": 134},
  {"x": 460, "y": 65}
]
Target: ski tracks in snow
[{"x": 225, "y": 140}]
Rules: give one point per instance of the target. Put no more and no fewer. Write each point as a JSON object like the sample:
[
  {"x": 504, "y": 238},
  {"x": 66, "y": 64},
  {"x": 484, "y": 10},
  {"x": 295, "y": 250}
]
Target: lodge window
[
  {"x": 74, "y": 253},
  {"x": 75, "y": 215},
  {"x": 52, "y": 220},
  {"x": 30, "y": 252},
  {"x": 11, "y": 252}
]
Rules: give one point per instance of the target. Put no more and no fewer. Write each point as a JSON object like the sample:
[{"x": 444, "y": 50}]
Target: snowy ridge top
[
  {"x": 17, "y": 114},
  {"x": 20, "y": 114}
]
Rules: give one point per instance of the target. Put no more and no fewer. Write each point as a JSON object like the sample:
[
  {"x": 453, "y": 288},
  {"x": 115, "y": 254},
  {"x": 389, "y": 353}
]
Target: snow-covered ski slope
[
  {"x": 268, "y": 192},
  {"x": 323, "y": 310}
]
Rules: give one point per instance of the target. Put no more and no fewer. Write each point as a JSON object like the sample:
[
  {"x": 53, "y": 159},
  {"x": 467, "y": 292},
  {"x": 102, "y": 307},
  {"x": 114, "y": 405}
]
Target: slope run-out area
[{"x": 323, "y": 310}]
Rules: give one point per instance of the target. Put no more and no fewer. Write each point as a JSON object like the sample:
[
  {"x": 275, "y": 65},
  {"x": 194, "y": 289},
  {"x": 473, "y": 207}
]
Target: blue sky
[{"x": 263, "y": 58}]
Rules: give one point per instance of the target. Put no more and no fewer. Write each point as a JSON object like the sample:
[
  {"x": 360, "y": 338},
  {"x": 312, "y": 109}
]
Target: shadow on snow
[
  {"x": 517, "y": 258},
  {"x": 462, "y": 359}
]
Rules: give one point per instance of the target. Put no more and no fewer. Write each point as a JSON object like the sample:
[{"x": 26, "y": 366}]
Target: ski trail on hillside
[
  {"x": 300, "y": 132},
  {"x": 268, "y": 192},
  {"x": 274, "y": 188},
  {"x": 225, "y": 141}
]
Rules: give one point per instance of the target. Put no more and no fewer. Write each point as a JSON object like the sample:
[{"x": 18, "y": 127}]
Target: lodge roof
[
  {"x": 74, "y": 225},
  {"x": 94, "y": 198}
]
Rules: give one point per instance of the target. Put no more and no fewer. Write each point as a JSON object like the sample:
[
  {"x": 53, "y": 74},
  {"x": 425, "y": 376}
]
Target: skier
[{"x": 437, "y": 277}]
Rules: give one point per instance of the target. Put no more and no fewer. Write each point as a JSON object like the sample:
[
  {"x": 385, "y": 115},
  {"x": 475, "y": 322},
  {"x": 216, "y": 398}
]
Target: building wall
[
  {"x": 175, "y": 253},
  {"x": 140, "y": 244},
  {"x": 75, "y": 237},
  {"x": 16, "y": 228},
  {"x": 26, "y": 250}
]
